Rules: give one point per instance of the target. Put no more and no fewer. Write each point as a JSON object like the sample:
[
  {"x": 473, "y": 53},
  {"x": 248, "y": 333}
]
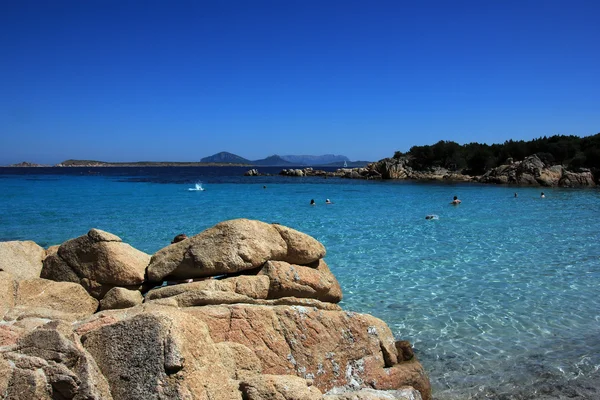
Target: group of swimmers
[
  {"x": 456, "y": 201},
  {"x": 312, "y": 202}
]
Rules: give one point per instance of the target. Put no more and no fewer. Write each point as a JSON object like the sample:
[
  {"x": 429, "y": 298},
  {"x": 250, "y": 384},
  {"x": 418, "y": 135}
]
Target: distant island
[
  {"x": 220, "y": 159},
  {"x": 326, "y": 160}
]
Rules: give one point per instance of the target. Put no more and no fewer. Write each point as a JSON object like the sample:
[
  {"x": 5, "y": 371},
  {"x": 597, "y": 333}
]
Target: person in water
[
  {"x": 516, "y": 195},
  {"x": 455, "y": 201},
  {"x": 312, "y": 202},
  {"x": 542, "y": 195},
  {"x": 327, "y": 201}
]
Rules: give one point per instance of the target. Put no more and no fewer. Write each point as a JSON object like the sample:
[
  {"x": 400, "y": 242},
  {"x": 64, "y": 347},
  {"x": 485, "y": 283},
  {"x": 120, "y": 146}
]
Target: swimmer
[
  {"x": 432, "y": 216},
  {"x": 455, "y": 201},
  {"x": 327, "y": 201},
  {"x": 312, "y": 202},
  {"x": 542, "y": 195},
  {"x": 516, "y": 195}
]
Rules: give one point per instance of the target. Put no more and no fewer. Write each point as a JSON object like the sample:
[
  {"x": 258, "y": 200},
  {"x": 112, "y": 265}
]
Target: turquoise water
[{"x": 500, "y": 296}]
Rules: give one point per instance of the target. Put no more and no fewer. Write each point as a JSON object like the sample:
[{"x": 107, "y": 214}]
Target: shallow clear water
[{"x": 500, "y": 296}]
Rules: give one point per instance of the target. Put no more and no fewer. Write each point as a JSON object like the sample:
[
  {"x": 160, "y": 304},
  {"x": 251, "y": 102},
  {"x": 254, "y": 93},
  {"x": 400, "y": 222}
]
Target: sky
[{"x": 181, "y": 80}]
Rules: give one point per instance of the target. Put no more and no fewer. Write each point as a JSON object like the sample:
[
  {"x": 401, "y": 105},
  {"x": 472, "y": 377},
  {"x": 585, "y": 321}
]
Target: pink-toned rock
[
  {"x": 238, "y": 360},
  {"x": 162, "y": 355},
  {"x": 9, "y": 334},
  {"x": 22, "y": 259},
  {"x": 287, "y": 280},
  {"x": 330, "y": 347},
  {"x": 86, "y": 326},
  {"x": 407, "y": 373}
]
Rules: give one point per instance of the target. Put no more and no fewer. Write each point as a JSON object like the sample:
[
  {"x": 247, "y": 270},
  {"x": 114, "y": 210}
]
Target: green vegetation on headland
[
  {"x": 572, "y": 152},
  {"x": 566, "y": 161}
]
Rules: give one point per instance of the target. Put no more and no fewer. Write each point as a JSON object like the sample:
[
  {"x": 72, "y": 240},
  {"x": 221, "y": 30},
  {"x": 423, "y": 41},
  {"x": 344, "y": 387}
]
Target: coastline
[{"x": 529, "y": 172}]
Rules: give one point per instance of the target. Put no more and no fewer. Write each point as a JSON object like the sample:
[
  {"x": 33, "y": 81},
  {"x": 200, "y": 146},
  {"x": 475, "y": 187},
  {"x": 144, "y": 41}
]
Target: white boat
[{"x": 197, "y": 188}]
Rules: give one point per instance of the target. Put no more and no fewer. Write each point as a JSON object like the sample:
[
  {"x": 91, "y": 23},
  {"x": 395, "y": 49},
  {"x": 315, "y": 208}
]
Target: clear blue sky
[{"x": 181, "y": 80}]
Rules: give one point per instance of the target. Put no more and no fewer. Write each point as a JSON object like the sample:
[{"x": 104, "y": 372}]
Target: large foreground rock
[
  {"x": 46, "y": 365},
  {"x": 22, "y": 259},
  {"x": 160, "y": 355},
  {"x": 98, "y": 261},
  {"x": 268, "y": 327},
  {"x": 204, "y": 350},
  {"x": 233, "y": 246},
  {"x": 332, "y": 348}
]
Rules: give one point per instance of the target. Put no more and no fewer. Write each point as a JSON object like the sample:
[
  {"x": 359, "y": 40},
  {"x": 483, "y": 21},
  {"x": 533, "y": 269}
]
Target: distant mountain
[
  {"x": 226, "y": 158},
  {"x": 273, "y": 161},
  {"x": 315, "y": 160}
]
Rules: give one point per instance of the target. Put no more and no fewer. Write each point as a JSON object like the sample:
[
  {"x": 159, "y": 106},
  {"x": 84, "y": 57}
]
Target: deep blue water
[{"x": 500, "y": 296}]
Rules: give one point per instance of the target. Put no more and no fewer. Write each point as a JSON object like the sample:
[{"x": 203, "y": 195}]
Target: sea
[{"x": 500, "y": 295}]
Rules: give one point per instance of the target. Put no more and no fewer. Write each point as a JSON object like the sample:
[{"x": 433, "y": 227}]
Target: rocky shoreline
[
  {"x": 250, "y": 313},
  {"x": 529, "y": 172}
]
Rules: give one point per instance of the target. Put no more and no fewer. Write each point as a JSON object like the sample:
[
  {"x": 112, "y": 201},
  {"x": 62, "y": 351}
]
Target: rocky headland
[
  {"x": 26, "y": 164},
  {"x": 530, "y": 172},
  {"x": 250, "y": 312}
]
